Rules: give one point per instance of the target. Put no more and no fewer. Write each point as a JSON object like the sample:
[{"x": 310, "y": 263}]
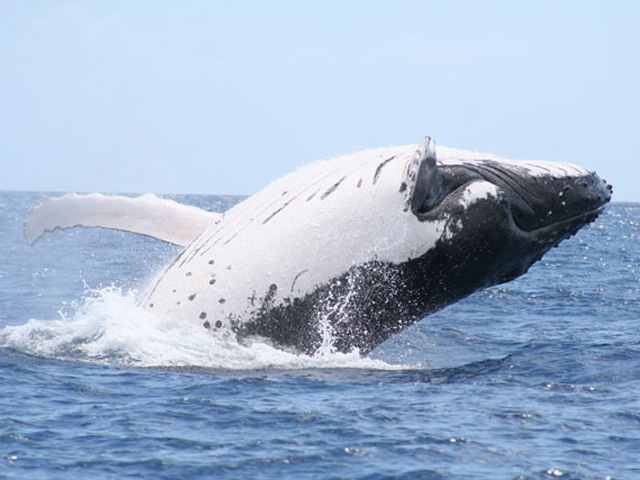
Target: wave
[{"x": 106, "y": 327}]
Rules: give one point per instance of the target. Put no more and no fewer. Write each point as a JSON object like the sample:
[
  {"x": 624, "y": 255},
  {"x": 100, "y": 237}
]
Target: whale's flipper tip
[{"x": 146, "y": 215}]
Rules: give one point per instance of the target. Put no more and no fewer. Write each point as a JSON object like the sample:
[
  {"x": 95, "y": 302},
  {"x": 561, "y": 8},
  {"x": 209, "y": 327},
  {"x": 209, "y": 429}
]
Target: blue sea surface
[{"x": 538, "y": 378}]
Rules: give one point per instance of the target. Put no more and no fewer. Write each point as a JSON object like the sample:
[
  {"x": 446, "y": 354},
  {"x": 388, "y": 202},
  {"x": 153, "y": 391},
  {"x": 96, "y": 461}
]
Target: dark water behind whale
[{"x": 538, "y": 378}]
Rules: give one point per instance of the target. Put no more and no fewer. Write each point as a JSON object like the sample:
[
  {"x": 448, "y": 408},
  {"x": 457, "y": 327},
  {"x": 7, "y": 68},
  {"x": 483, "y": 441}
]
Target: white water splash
[{"x": 107, "y": 327}]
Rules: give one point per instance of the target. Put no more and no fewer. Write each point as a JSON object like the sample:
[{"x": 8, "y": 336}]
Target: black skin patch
[
  {"x": 252, "y": 299},
  {"x": 379, "y": 169},
  {"x": 278, "y": 210},
  {"x": 267, "y": 301},
  {"x": 293, "y": 284},
  {"x": 226, "y": 242},
  {"x": 332, "y": 188}
]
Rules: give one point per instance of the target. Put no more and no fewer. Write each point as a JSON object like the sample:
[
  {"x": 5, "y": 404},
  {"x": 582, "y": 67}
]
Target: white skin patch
[
  {"x": 451, "y": 228},
  {"x": 477, "y": 191}
]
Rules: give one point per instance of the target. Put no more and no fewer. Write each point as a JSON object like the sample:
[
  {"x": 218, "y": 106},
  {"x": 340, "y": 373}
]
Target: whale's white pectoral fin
[{"x": 145, "y": 215}]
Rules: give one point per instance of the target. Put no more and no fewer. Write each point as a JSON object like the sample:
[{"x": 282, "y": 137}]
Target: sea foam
[{"x": 107, "y": 327}]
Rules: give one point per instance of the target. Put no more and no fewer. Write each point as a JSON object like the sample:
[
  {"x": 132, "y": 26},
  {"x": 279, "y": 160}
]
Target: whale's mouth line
[{"x": 569, "y": 225}]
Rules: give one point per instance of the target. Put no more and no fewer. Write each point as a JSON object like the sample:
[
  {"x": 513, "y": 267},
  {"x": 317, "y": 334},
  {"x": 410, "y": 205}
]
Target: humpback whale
[{"x": 349, "y": 250}]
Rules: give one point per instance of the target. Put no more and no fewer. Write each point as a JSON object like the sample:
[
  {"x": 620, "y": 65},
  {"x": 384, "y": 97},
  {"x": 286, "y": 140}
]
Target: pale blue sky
[{"x": 223, "y": 97}]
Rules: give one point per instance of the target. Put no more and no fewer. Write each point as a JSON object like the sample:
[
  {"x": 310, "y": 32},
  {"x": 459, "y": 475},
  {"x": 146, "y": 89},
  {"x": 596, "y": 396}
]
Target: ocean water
[{"x": 535, "y": 379}]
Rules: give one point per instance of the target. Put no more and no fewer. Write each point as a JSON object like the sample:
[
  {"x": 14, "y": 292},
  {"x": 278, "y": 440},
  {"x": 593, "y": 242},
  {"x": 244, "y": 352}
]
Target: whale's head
[{"x": 503, "y": 215}]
